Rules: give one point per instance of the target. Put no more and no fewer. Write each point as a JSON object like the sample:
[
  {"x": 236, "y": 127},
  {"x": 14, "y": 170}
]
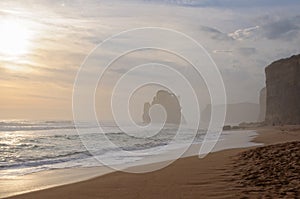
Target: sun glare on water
[{"x": 14, "y": 38}]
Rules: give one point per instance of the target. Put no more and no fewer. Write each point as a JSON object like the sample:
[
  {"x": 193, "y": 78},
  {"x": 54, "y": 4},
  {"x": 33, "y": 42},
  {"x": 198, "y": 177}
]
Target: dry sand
[{"x": 218, "y": 175}]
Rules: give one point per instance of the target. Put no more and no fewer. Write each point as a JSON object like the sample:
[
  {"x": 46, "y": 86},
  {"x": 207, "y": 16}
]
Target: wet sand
[{"x": 214, "y": 176}]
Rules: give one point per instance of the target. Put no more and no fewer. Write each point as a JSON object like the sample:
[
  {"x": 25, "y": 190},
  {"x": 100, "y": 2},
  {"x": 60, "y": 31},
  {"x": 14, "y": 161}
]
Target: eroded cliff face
[
  {"x": 283, "y": 91},
  {"x": 262, "y": 104}
]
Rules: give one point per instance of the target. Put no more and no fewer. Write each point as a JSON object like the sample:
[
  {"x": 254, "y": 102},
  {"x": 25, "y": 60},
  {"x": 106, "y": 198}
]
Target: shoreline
[
  {"x": 212, "y": 167},
  {"x": 59, "y": 177}
]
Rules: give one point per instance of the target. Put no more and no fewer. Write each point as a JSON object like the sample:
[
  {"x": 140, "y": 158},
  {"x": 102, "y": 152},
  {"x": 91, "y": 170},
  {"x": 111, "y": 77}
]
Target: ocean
[{"x": 32, "y": 146}]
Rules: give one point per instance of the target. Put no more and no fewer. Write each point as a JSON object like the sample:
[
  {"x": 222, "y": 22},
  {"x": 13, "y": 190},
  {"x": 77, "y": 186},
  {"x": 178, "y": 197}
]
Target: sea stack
[
  {"x": 283, "y": 91},
  {"x": 171, "y": 105}
]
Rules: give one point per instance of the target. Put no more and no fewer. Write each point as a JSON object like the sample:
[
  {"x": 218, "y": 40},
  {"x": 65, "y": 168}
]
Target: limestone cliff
[
  {"x": 262, "y": 104},
  {"x": 283, "y": 91}
]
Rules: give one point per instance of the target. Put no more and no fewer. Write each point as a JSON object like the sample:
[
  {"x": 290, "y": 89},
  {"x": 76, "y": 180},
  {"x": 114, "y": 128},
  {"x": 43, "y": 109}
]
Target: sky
[{"x": 43, "y": 44}]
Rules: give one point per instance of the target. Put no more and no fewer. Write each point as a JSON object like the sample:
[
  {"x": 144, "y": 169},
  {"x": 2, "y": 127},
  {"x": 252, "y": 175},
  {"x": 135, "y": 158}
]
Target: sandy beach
[{"x": 215, "y": 176}]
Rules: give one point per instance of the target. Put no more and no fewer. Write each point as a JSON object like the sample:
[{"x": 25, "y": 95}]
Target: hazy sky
[{"x": 43, "y": 43}]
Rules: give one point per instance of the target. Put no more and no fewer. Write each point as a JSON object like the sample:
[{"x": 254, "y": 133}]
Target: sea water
[{"x": 32, "y": 146}]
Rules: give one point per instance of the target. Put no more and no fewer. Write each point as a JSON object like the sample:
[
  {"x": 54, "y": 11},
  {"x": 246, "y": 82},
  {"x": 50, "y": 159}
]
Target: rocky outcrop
[
  {"x": 262, "y": 104},
  {"x": 283, "y": 91},
  {"x": 146, "y": 116},
  {"x": 171, "y": 105}
]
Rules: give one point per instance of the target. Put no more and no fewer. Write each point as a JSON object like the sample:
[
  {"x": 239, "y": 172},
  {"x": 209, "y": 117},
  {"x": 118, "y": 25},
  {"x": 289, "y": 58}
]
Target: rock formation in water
[
  {"x": 171, "y": 105},
  {"x": 262, "y": 104},
  {"x": 146, "y": 117},
  {"x": 283, "y": 91}
]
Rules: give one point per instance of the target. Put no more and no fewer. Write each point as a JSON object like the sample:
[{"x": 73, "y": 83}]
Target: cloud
[
  {"x": 247, "y": 51},
  {"x": 227, "y": 3},
  {"x": 241, "y": 41},
  {"x": 242, "y": 34},
  {"x": 47, "y": 97},
  {"x": 282, "y": 29},
  {"x": 285, "y": 28},
  {"x": 215, "y": 33},
  {"x": 222, "y": 51}
]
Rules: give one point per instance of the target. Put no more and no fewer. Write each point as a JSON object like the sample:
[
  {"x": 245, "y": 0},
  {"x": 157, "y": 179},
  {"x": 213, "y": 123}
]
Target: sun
[{"x": 14, "y": 38}]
